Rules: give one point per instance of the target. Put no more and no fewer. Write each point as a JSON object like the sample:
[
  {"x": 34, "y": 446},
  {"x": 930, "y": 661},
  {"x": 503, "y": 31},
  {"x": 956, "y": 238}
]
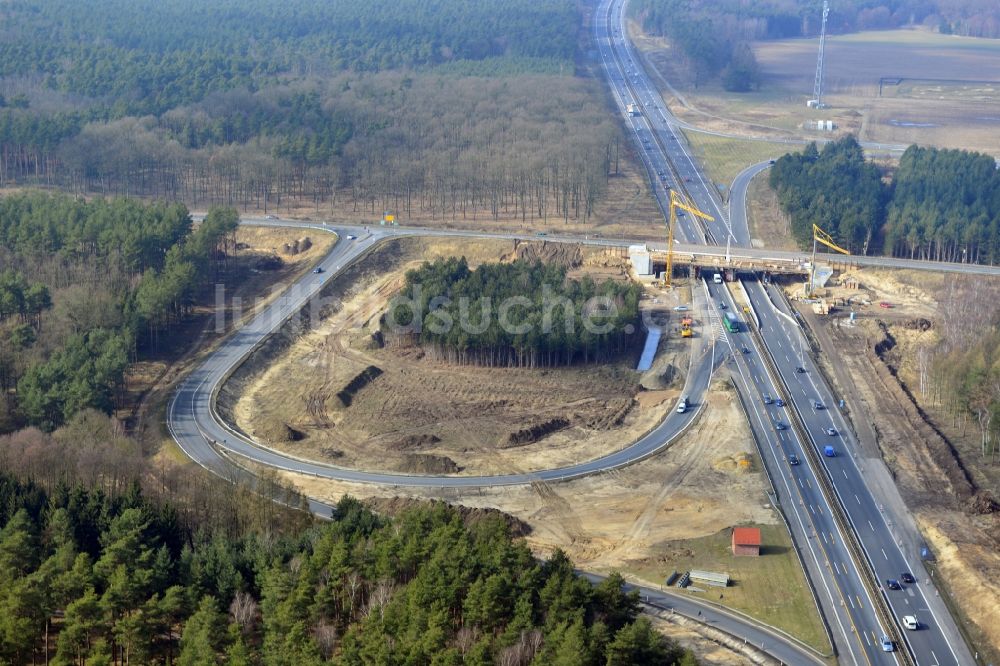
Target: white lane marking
[
  {"x": 871, "y": 526},
  {"x": 857, "y": 498},
  {"x": 884, "y": 555}
]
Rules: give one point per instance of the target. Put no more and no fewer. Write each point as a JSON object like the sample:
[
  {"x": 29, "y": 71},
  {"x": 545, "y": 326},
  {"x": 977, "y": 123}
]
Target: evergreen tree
[{"x": 204, "y": 635}]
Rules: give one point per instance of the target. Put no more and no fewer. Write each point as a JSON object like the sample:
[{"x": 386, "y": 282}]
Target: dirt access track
[
  {"x": 932, "y": 458},
  {"x": 333, "y": 394}
]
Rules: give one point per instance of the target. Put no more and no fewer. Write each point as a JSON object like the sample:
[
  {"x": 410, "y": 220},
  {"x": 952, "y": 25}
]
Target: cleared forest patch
[
  {"x": 483, "y": 420},
  {"x": 627, "y": 519}
]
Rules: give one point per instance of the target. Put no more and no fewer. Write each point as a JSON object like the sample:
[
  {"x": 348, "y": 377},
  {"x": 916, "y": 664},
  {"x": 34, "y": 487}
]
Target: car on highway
[
  {"x": 829, "y": 451},
  {"x": 541, "y": 233},
  {"x": 722, "y": 305},
  {"x": 832, "y": 432},
  {"x": 770, "y": 161},
  {"x": 907, "y": 578},
  {"x": 911, "y": 622},
  {"x": 746, "y": 350},
  {"x": 767, "y": 399},
  {"x": 779, "y": 402},
  {"x": 350, "y": 237},
  {"x": 793, "y": 459},
  {"x": 885, "y": 304},
  {"x": 318, "y": 269},
  {"x": 799, "y": 369},
  {"x": 887, "y": 644},
  {"x": 893, "y": 584},
  {"x": 817, "y": 404},
  {"x": 270, "y": 217},
  {"x": 680, "y": 308},
  {"x": 682, "y": 405},
  {"x": 778, "y": 425}
]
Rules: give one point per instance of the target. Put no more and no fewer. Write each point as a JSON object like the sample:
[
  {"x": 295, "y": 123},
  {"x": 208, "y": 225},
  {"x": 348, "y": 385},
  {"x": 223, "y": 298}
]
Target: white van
[
  {"x": 682, "y": 405},
  {"x": 717, "y": 278},
  {"x": 910, "y": 622}
]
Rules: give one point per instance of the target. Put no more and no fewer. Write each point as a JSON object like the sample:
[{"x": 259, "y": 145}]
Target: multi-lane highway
[
  {"x": 850, "y": 602},
  {"x": 848, "y": 608}
]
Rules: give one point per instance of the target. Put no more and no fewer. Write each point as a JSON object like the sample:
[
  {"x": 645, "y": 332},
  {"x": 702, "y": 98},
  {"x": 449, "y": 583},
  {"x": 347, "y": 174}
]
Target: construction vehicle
[
  {"x": 686, "y": 331},
  {"x": 678, "y": 202},
  {"x": 819, "y": 236}
]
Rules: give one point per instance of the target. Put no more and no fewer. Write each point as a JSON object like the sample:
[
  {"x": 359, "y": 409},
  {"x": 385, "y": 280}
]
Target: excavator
[{"x": 678, "y": 202}]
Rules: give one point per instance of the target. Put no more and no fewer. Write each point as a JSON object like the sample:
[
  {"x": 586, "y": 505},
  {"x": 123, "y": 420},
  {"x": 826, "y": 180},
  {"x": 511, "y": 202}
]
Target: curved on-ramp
[{"x": 199, "y": 429}]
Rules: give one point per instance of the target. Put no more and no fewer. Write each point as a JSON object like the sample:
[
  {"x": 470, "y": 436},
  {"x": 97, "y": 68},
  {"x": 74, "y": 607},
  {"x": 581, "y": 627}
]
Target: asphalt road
[
  {"x": 837, "y": 582},
  {"x": 854, "y": 613},
  {"x": 779, "y": 646},
  {"x": 196, "y": 427},
  {"x": 937, "y": 641}
]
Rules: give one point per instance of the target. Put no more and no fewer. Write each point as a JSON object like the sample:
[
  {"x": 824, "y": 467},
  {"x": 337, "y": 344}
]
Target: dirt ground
[
  {"x": 422, "y": 415},
  {"x": 701, "y": 486},
  {"x": 693, "y": 490},
  {"x": 890, "y": 295},
  {"x": 919, "y": 453},
  {"x": 769, "y": 225}
]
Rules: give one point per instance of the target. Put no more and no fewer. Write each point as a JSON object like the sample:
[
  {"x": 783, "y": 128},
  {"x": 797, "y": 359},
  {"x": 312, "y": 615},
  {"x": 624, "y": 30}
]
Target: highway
[
  {"x": 848, "y": 602},
  {"x": 200, "y": 432},
  {"x": 836, "y": 581}
]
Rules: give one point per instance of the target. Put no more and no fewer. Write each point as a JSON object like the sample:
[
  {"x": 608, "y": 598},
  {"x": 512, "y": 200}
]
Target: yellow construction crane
[
  {"x": 820, "y": 236},
  {"x": 678, "y": 200}
]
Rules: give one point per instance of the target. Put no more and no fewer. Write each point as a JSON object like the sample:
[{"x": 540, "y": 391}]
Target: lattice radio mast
[{"x": 817, "y": 101}]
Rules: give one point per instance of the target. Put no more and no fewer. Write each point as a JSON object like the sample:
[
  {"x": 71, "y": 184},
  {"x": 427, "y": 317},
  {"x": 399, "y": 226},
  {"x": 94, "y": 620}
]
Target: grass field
[
  {"x": 944, "y": 98},
  {"x": 769, "y": 227},
  {"x": 724, "y": 158},
  {"x": 770, "y": 588}
]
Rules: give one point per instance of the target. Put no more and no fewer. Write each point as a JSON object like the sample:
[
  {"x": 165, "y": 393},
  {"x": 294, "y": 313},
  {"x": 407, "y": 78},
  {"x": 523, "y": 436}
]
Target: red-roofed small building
[{"x": 746, "y": 541}]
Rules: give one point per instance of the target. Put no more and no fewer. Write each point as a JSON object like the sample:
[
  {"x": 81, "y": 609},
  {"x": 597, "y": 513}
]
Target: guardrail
[{"x": 862, "y": 562}]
